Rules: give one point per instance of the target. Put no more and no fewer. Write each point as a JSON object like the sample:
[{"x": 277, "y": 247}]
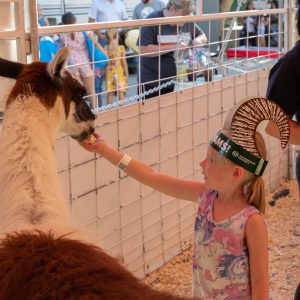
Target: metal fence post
[
  {"x": 34, "y": 38},
  {"x": 199, "y": 7},
  {"x": 290, "y": 23}
]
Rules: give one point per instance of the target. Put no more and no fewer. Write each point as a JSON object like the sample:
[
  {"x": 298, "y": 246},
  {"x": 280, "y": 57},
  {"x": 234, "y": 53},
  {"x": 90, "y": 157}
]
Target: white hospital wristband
[{"x": 124, "y": 162}]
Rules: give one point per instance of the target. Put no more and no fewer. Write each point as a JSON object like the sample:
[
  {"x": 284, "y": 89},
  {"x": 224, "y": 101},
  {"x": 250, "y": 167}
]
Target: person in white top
[
  {"x": 107, "y": 11},
  {"x": 249, "y": 29}
]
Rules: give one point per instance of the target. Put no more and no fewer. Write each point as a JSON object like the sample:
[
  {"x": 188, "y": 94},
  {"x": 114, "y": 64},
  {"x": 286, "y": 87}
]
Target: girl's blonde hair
[
  {"x": 254, "y": 187},
  {"x": 112, "y": 39}
]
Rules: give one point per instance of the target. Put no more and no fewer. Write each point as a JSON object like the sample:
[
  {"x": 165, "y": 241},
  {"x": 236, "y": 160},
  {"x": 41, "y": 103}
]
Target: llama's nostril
[{"x": 91, "y": 130}]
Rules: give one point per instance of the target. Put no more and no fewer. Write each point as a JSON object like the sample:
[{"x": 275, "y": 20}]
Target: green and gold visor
[{"x": 228, "y": 148}]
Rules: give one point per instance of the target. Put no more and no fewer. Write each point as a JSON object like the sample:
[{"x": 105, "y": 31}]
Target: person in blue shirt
[
  {"x": 157, "y": 67},
  {"x": 41, "y": 19},
  {"x": 48, "y": 47}
]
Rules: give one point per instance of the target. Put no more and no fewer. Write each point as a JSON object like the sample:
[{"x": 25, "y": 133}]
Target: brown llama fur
[{"x": 36, "y": 265}]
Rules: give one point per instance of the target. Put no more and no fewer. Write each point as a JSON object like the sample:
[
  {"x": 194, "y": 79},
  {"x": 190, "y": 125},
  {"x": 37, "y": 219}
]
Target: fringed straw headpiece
[{"x": 242, "y": 123}]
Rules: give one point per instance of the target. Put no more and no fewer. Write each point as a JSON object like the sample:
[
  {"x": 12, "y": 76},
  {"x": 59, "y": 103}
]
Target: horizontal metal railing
[{"x": 157, "y": 21}]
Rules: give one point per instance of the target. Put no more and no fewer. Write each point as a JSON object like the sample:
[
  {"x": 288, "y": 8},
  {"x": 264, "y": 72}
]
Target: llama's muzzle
[{"x": 84, "y": 135}]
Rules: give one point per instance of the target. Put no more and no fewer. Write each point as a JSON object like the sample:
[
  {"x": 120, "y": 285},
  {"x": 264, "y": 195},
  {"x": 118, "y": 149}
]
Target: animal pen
[{"x": 132, "y": 222}]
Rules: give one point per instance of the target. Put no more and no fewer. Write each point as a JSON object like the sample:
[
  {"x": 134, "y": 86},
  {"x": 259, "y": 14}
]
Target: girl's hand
[{"x": 96, "y": 146}]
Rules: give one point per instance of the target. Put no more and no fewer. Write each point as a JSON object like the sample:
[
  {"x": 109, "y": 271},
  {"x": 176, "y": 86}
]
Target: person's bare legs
[
  {"x": 121, "y": 96},
  {"x": 88, "y": 82},
  {"x": 262, "y": 42},
  {"x": 110, "y": 96}
]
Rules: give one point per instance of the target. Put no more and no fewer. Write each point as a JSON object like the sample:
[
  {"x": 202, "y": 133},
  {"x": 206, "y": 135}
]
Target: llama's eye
[{"x": 78, "y": 96}]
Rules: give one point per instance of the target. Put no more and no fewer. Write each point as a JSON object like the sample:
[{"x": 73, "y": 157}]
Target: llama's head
[
  {"x": 78, "y": 116},
  {"x": 53, "y": 84}
]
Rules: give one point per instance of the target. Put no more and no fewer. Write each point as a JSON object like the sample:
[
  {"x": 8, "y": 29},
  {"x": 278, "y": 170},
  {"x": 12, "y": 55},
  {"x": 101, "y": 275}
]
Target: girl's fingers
[
  {"x": 97, "y": 139},
  {"x": 96, "y": 135}
]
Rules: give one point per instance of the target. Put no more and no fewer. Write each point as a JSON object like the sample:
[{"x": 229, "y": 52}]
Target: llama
[{"x": 43, "y": 255}]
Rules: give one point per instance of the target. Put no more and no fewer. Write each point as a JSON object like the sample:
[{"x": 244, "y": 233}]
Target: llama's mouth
[{"x": 84, "y": 135}]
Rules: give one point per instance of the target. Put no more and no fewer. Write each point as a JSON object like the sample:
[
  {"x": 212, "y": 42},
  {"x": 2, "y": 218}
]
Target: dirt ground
[{"x": 283, "y": 222}]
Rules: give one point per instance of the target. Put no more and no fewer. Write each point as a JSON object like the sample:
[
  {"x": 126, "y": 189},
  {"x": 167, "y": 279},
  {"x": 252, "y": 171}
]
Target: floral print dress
[
  {"x": 220, "y": 257},
  {"x": 80, "y": 57}
]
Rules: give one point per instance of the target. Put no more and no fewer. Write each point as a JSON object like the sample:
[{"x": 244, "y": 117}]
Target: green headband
[{"x": 228, "y": 148}]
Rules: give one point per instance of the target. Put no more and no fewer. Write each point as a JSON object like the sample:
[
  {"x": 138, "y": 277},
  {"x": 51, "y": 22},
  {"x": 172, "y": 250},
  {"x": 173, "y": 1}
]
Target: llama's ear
[
  {"x": 56, "y": 66},
  {"x": 10, "y": 69},
  {"x": 6, "y": 85}
]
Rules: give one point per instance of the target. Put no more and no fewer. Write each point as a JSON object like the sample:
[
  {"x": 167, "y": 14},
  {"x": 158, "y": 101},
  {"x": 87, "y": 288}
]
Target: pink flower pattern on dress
[
  {"x": 80, "y": 56},
  {"x": 220, "y": 258}
]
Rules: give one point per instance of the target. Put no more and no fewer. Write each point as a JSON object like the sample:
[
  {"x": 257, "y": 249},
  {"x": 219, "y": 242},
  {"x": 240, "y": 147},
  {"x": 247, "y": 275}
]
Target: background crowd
[
  {"x": 113, "y": 76},
  {"x": 260, "y": 30}
]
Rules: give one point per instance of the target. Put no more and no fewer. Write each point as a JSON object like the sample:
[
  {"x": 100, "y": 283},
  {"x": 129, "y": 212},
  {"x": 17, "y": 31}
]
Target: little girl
[
  {"x": 80, "y": 57},
  {"x": 42, "y": 21},
  {"x": 117, "y": 68},
  {"x": 230, "y": 247},
  {"x": 230, "y": 256}
]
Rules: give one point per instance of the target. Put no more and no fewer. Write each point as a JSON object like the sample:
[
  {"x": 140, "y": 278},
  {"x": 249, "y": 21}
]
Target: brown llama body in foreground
[{"x": 43, "y": 255}]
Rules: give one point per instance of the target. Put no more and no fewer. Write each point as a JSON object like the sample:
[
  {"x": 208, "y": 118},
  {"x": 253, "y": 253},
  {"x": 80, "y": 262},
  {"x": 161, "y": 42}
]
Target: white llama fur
[
  {"x": 31, "y": 197},
  {"x": 28, "y": 183}
]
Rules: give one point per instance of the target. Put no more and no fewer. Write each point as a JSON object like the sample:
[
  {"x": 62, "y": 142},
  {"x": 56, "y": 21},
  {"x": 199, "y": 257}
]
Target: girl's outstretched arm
[
  {"x": 257, "y": 242},
  {"x": 173, "y": 186}
]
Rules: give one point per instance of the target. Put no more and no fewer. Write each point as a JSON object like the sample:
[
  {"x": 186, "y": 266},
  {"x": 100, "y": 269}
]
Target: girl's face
[{"x": 216, "y": 171}]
